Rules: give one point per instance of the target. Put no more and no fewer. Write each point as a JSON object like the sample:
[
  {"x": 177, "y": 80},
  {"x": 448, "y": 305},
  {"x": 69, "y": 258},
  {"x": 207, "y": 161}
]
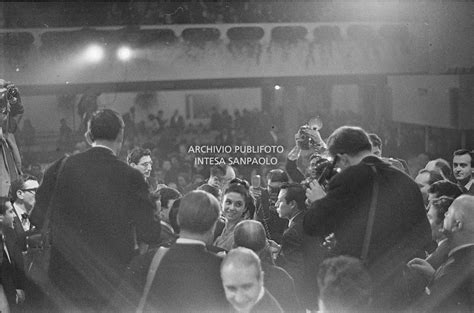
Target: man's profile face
[
  {"x": 313, "y": 166},
  {"x": 242, "y": 286},
  {"x": 462, "y": 168},
  {"x": 144, "y": 165},
  {"x": 423, "y": 182},
  {"x": 28, "y": 194},
  {"x": 7, "y": 218},
  {"x": 283, "y": 208}
]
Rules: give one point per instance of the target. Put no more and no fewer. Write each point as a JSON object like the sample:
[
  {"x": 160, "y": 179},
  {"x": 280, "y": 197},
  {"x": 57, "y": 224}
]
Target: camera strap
[{"x": 370, "y": 222}]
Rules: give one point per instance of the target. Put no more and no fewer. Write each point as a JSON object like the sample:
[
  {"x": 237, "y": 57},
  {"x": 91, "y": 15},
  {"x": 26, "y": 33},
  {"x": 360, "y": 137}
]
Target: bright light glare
[
  {"x": 94, "y": 53},
  {"x": 124, "y": 53},
  {"x": 277, "y": 87}
]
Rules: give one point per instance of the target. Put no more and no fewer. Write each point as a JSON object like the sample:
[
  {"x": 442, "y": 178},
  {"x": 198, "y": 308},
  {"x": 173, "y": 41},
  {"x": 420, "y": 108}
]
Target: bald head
[
  {"x": 198, "y": 212},
  {"x": 250, "y": 234},
  {"x": 241, "y": 258},
  {"x": 463, "y": 208}
]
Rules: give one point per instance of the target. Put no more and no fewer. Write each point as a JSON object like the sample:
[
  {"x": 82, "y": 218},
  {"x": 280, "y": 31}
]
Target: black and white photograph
[{"x": 237, "y": 156}]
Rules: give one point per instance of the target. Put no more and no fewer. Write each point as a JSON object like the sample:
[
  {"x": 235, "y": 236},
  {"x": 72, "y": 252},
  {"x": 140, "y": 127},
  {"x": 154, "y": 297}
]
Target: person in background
[
  {"x": 23, "y": 195},
  {"x": 450, "y": 288},
  {"x": 11, "y": 109},
  {"x": 237, "y": 205},
  {"x": 242, "y": 278},
  {"x": 345, "y": 286},
  {"x": 424, "y": 179},
  {"x": 463, "y": 161},
  {"x": 12, "y": 270},
  {"x": 266, "y": 199},
  {"x": 140, "y": 159},
  {"x": 251, "y": 234}
]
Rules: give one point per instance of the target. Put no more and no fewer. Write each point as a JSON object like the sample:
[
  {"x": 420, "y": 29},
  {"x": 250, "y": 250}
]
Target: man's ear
[
  {"x": 19, "y": 194},
  {"x": 458, "y": 225},
  {"x": 293, "y": 204},
  {"x": 89, "y": 137}
]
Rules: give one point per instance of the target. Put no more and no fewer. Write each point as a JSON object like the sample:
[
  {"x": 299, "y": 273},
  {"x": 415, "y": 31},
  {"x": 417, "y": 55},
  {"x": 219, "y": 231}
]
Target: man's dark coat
[{"x": 100, "y": 209}]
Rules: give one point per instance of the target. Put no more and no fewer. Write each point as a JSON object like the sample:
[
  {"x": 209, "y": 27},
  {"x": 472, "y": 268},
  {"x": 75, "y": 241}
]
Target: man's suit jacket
[
  {"x": 281, "y": 285},
  {"x": 187, "y": 280},
  {"x": 100, "y": 208},
  {"x": 400, "y": 231},
  {"x": 21, "y": 234},
  {"x": 452, "y": 289},
  {"x": 300, "y": 255},
  {"x": 12, "y": 273}
]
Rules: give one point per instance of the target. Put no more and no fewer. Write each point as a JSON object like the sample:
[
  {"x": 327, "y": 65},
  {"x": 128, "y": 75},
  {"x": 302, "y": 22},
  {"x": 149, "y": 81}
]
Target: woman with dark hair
[{"x": 237, "y": 205}]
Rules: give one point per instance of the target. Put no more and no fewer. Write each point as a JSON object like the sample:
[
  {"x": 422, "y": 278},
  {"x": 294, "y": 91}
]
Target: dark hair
[
  {"x": 277, "y": 175},
  {"x": 173, "y": 215},
  {"x": 167, "y": 194},
  {"x": 345, "y": 285},
  {"x": 434, "y": 176},
  {"x": 198, "y": 212},
  {"x": 375, "y": 140},
  {"x": 250, "y": 234},
  {"x": 463, "y": 152},
  {"x": 105, "y": 124},
  {"x": 136, "y": 154},
  {"x": 241, "y": 186},
  {"x": 295, "y": 192},
  {"x": 350, "y": 140},
  {"x": 19, "y": 184},
  {"x": 211, "y": 189},
  {"x": 441, "y": 205},
  {"x": 444, "y": 167},
  {"x": 445, "y": 188},
  {"x": 3, "y": 207},
  {"x": 219, "y": 170}
]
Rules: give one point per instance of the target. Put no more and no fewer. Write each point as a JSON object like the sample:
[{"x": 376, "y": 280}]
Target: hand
[
  {"x": 20, "y": 296},
  {"x": 315, "y": 191},
  {"x": 256, "y": 193},
  {"x": 422, "y": 266}
]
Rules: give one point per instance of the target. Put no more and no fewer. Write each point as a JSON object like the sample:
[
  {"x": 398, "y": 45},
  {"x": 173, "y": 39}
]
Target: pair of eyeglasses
[{"x": 32, "y": 190}]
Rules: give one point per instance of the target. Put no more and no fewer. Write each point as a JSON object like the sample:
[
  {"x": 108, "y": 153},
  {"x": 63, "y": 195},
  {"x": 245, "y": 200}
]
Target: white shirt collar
[
  {"x": 459, "y": 248},
  {"x": 469, "y": 184},
  {"x": 291, "y": 219},
  {"x": 19, "y": 210},
  {"x": 94, "y": 145},
  {"x": 190, "y": 241}
]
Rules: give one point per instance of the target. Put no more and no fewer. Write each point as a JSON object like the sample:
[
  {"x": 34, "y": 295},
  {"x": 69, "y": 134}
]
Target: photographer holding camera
[
  {"x": 308, "y": 141},
  {"x": 376, "y": 213},
  {"x": 10, "y": 160}
]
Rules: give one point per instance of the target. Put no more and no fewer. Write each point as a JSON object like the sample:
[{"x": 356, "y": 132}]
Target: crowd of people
[
  {"x": 167, "y": 12},
  {"x": 352, "y": 232}
]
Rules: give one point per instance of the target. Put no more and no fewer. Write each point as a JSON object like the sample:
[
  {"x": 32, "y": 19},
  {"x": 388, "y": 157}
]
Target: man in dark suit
[
  {"x": 100, "y": 210},
  {"x": 23, "y": 195},
  {"x": 242, "y": 278},
  {"x": 12, "y": 275},
  {"x": 187, "y": 279},
  {"x": 295, "y": 244},
  {"x": 400, "y": 229},
  {"x": 251, "y": 234},
  {"x": 451, "y": 286}
]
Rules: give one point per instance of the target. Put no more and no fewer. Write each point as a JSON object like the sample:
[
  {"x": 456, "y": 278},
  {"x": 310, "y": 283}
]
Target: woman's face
[{"x": 233, "y": 206}]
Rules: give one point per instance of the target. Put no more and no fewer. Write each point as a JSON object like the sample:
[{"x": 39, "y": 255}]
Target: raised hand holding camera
[{"x": 315, "y": 191}]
